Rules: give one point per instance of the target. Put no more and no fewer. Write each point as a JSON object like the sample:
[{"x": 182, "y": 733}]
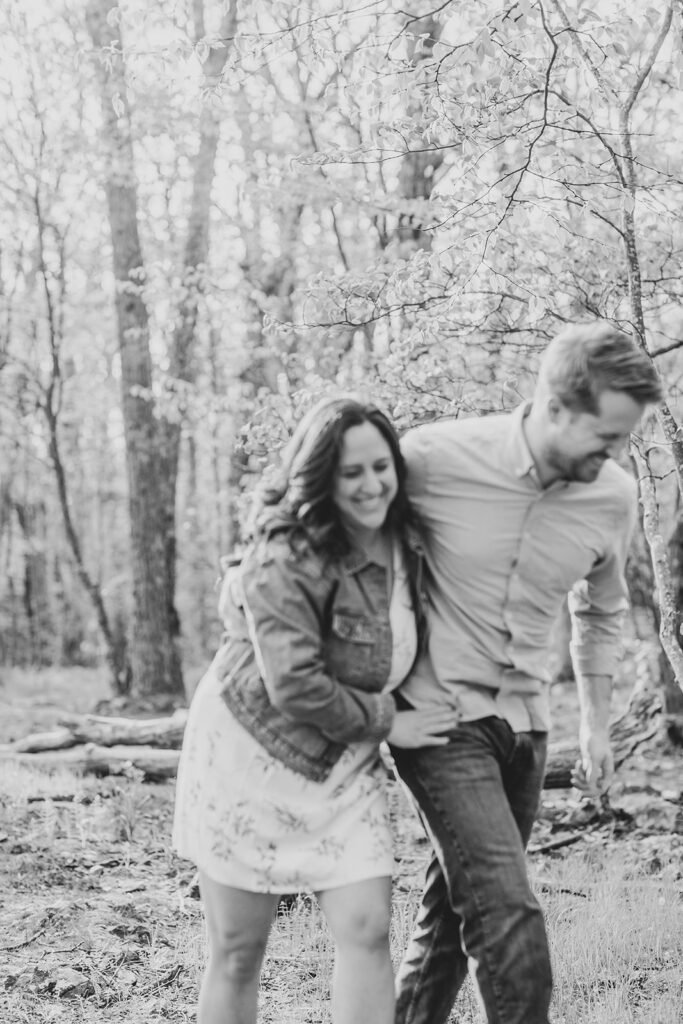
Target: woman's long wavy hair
[{"x": 303, "y": 494}]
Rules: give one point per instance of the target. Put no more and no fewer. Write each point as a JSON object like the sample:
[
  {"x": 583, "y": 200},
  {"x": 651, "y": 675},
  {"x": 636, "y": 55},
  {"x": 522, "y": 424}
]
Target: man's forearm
[
  {"x": 594, "y": 771},
  {"x": 595, "y": 697}
]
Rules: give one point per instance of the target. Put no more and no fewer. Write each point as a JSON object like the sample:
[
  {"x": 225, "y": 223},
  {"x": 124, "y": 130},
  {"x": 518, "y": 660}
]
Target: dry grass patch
[
  {"x": 615, "y": 920},
  {"x": 97, "y": 924}
]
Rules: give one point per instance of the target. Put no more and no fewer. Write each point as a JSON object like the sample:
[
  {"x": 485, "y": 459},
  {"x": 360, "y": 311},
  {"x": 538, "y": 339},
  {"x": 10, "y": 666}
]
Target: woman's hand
[{"x": 423, "y": 728}]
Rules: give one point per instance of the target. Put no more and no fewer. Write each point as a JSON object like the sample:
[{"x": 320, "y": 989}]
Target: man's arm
[
  {"x": 593, "y": 773},
  {"x": 597, "y": 606}
]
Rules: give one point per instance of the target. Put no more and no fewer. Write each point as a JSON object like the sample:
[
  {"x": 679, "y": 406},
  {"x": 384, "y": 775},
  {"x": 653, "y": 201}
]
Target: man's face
[{"x": 580, "y": 442}]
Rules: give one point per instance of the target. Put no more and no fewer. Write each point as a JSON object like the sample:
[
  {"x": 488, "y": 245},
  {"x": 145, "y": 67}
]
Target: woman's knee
[
  {"x": 362, "y": 927},
  {"x": 237, "y": 958},
  {"x": 238, "y": 924}
]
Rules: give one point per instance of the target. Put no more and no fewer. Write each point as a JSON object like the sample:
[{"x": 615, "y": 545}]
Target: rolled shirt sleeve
[{"x": 598, "y": 603}]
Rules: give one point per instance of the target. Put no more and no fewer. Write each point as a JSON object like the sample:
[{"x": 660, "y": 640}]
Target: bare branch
[
  {"x": 583, "y": 52},
  {"x": 666, "y": 348},
  {"x": 649, "y": 61}
]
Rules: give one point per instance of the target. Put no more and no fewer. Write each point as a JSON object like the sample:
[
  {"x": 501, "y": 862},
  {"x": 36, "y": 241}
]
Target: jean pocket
[{"x": 523, "y": 754}]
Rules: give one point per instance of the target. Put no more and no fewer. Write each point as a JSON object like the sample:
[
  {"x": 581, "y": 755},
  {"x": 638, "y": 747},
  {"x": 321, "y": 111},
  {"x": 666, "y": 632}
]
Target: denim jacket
[{"x": 308, "y": 650}]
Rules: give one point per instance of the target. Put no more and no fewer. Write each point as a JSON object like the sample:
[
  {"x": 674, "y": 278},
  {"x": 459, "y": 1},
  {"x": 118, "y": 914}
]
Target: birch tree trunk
[{"x": 670, "y": 613}]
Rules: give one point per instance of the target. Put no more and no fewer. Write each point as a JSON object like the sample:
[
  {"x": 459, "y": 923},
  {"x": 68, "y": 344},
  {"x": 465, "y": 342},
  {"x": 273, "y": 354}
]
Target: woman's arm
[{"x": 285, "y": 597}]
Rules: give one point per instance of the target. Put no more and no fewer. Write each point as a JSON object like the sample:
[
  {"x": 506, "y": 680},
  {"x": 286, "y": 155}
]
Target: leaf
[
  {"x": 114, "y": 16},
  {"x": 202, "y": 50},
  {"x": 66, "y": 981},
  {"x": 118, "y": 104}
]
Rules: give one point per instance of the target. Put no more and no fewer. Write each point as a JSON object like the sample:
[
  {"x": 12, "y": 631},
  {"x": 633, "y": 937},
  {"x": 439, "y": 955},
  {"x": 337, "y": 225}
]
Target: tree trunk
[
  {"x": 37, "y": 598},
  {"x": 418, "y": 169},
  {"x": 182, "y": 355},
  {"x": 672, "y": 692},
  {"x": 670, "y": 613},
  {"x": 155, "y": 659},
  {"x": 627, "y": 168}
]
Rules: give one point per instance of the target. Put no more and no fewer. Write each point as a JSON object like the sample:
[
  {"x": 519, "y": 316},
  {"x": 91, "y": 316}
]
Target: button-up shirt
[{"x": 503, "y": 552}]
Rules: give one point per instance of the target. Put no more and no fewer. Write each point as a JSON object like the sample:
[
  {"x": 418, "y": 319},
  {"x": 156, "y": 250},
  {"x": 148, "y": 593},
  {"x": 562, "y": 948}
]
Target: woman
[{"x": 280, "y": 786}]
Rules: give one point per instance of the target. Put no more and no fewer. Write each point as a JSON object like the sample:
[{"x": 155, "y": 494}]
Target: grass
[
  {"x": 98, "y": 922},
  {"x": 618, "y": 945}
]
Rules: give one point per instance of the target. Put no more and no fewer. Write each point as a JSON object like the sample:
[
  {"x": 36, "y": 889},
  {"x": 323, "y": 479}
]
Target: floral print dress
[{"x": 248, "y": 821}]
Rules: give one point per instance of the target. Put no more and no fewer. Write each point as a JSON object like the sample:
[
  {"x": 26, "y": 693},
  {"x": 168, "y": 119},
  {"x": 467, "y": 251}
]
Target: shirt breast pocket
[{"x": 350, "y": 647}]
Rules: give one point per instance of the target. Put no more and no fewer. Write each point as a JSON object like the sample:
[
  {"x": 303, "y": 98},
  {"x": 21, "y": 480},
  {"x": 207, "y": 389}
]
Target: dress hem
[{"x": 290, "y": 889}]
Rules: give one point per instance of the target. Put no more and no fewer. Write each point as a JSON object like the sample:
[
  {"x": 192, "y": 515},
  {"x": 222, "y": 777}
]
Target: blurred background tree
[{"x": 215, "y": 211}]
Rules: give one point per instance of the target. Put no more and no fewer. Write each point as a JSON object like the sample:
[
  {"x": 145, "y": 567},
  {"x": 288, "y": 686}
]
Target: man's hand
[
  {"x": 427, "y": 728},
  {"x": 593, "y": 774}
]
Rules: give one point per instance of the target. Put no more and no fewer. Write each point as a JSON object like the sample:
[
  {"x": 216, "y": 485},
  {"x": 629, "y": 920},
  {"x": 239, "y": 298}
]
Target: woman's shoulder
[{"x": 287, "y": 548}]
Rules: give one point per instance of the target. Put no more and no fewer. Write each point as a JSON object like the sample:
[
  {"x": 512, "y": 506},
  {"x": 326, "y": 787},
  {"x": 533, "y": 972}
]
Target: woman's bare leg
[
  {"x": 363, "y": 983},
  {"x": 238, "y": 924}
]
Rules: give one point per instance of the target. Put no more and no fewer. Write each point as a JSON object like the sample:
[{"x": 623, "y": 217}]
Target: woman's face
[{"x": 365, "y": 482}]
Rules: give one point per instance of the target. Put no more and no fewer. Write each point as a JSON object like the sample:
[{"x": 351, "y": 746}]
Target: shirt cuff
[
  {"x": 594, "y": 660},
  {"x": 384, "y": 718}
]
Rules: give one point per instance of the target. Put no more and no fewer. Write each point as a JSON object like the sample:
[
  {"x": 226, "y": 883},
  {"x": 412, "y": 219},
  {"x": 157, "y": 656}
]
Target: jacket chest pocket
[
  {"x": 355, "y": 629},
  {"x": 351, "y": 647}
]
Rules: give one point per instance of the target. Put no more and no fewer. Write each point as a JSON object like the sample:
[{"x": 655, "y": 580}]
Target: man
[{"x": 519, "y": 509}]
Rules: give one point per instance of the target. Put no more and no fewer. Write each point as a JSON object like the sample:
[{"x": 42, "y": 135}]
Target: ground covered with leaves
[{"x": 99, "y": 921}]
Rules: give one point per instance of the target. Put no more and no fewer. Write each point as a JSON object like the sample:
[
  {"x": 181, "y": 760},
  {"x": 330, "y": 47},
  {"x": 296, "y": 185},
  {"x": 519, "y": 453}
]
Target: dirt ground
[{"x": 100, "y": 921}]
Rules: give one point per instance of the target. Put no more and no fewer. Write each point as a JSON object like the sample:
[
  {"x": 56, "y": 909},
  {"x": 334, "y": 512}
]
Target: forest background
[
  {"x": 210, "y": 214},
  {"x": 213, "y": 212}
]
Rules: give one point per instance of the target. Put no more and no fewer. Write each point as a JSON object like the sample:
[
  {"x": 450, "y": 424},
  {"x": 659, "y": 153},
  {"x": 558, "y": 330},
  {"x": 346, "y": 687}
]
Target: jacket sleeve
[
  {"x": 598, "y": 603},
  {"x": 285, "y": 597}
]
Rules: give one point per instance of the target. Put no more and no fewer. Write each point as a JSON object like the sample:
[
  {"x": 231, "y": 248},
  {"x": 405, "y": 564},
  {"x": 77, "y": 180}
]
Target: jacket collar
[{"x": 357, "y": 558}]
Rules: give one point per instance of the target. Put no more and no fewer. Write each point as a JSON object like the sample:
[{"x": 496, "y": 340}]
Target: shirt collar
[
  {"x": 519, "y": 458},
  {"x": 519, "y": 455}
]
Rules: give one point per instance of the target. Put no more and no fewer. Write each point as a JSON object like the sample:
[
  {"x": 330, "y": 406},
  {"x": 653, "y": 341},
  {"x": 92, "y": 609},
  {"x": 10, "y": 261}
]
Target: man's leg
[
  {"x": 478, "y": 796},
  {"x": 434, "y": 965}
]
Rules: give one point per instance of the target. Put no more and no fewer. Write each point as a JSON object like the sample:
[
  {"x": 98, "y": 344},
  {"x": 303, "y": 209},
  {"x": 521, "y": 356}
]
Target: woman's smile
[{"x": 366, "y": 482}]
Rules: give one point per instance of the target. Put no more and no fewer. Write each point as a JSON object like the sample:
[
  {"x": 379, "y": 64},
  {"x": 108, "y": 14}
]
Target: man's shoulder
[
  {"x": 618, "y": 483},
  {"x": 461, "y": 429},
  {"x": 612, "y": 498}
]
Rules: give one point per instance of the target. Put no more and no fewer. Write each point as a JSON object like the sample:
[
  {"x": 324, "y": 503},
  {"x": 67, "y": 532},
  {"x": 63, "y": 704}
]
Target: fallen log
[
  {"x": 153, "y": 764},
  {"x": 54, "y": 739},
  {"x": 108, "y": 732}
]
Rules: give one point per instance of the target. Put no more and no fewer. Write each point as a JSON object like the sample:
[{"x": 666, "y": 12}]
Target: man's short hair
[{"x": 586, "y": 359}]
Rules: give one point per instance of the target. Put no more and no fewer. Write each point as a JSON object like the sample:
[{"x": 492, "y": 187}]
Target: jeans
[{"x": 477, "y": 796}]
